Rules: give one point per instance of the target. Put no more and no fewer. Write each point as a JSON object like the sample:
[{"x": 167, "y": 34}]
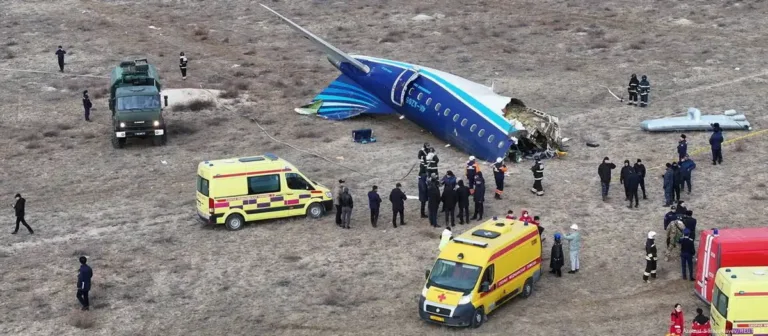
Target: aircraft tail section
[{"x": 344, "y": 99}]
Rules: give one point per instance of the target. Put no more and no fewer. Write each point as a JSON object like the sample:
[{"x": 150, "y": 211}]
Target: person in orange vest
[
  {"x": 700, "y": 326},
  {"x": 472, "y": 169},
  {"x": 499, "y": 169},
  {"x": 676, "y": 321}
]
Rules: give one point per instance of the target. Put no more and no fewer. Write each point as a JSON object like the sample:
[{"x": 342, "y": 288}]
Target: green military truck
[{"x": 134, "y": 99}]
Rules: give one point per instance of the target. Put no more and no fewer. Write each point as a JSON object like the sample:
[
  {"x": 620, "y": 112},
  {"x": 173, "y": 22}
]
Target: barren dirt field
[{"x": 157, "y": 271}]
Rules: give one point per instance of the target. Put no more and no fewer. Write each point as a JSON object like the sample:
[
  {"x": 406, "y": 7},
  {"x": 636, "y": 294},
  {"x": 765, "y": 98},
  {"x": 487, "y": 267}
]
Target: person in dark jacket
[
  {"x": 374, "y": 202},
  {"x": 690, "y": 223},
  {"x": 346, "y": 208},
  {"x": 449, "y": 180},
  {"x": 630, "y": 183},
  {"x": 632, "y": 89},
  {"x": 556, "y": 257},
  {"x": 499, "y": 169},
  {"x": 682, "y": 148},
  {"x": 701, "y": 325},
  {"x": 183, "y": 65},
  {"x": 686, "y": 169},
  {"x": 640, "y": 170},
  {"x": 423, "y": 159},
  {"x": 449, "y": 203},
  {"x": 644, "y": 88},
  {"x": 669, "y": 180},
  {"x": 472, "y": 169},
  {"x": 336, "y": 197},
  {"x": 19, "y": 208},
  {"x": 687, "y": 251},
  {"x": 669, "y": 217},
  {"x": 432, "y": 161},
  {"x": 60, "y": 55},
  {"x": 678, "y": 181},
  {"x": 479, "y": 196},
  {"x": 651, "y": 257},
  {"x": 433, "y": 200},
  {"x": 423, "y": 194},
  {"x": 604, "y": 171},
  {"x": 397, "y": 198},
  {"x": 462, "y": 198},
  {"x": 623, "y": 176},
  {"x": 84, "y": 283},
  {"x": 87, "y": 105},
  {"x": 538, "y": 175},
  {"x": 716, "y": 143}
]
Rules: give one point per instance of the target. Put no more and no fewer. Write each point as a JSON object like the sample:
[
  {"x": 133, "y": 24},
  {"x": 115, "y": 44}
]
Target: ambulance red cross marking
[{"x": 441, "y": 297}]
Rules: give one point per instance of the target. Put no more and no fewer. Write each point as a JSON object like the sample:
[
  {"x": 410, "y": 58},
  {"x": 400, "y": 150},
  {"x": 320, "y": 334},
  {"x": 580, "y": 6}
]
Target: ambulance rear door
[{"x": 706, "y": 267}]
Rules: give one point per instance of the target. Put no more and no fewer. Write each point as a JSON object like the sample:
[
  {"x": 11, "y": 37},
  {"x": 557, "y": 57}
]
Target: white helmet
[
  {"x": 471, "y": 158},
  {"x": 651, "y": 234},
  {"x": 574, "y": 227},
  {"x": 498, "y": 160}
]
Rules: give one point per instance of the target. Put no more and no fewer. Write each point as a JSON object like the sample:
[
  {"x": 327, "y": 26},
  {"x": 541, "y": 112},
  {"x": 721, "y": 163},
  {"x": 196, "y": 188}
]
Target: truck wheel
[
  {"x": 315, "y": 210},
  {"x": 234, "y": 222},
  {"x": 478, "y": 317},
  {"x": 118, "y": 142},
  {"x": 527, "y": 288},
  {"x": 158, "y": 140}
]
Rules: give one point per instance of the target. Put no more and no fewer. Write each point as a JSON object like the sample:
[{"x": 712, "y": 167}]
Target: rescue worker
[
  {"x": 676, "y": 321},
  {"x": 700, "y": 325},
  {"x": 682, "y": 148},
  {"x": 472, "y": 169},
  {"x": 183, "y": 65},
  {"x": 538, "y": 176},
  {"x": 87, "y": 105},
  {"x": 670, "y": 216},
  {"x": 346, "y": 208},
  {"x": 690, "y": 223},
  {"x": 651, "y": 257},
  {"x": 669, "y": 180},
  {"x": 632, "y": 89},
  {"x": 374, "y": 202},
  {"x": 574, "y": 247},
  {"x": 604, "y": 171},
  {"x": 19, "y": 208},
  {"x": 630, "y": 184},
  {"x": 686, "y": 170},
  {"x": 397, "y": 198},
  {"x": 449, "y": 200},
  {"x": 640, "y": 170},
  {"x": 423, "y": 159},
  {"x": 462, "y": 197},
  {"x": 499, "y": 168},
  {"x": 423, "y": 195},
  {"x": 60, "y": 55},
  {"x": 479, "y": 196},
  {"x": 674, "y": 233},
  {"x": 432, "y": 161},
  {"x": 525, "y": 217},
  {"x": 336, "y": 197},
  {"x": 433, "y": 200},
  {"x": 716, "y": 143},
  {"x": 644, "y": 88},
  {"x": 556, "y": 257},
  {"x": 687, "y": 251},
  {"x": 623, "y": 175},
  {"x": 445, "y": 237},
  {"x": 511, "y": 215},
  {"x": 677, "y": 181},
  {"x": 84, "y": 276}
]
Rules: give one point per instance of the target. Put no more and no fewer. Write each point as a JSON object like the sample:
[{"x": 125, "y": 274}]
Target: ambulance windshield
[{"x": 454, "y": 276}]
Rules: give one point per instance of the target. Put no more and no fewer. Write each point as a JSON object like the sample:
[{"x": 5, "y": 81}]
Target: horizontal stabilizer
[{"x": 344, "y": 99}]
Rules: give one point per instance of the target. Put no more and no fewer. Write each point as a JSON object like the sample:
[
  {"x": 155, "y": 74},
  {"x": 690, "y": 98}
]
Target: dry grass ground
[{"x": 158, "y": 272}]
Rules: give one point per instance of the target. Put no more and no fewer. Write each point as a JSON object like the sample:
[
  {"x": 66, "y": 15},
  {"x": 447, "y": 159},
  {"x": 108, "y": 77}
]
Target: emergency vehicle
[
  {"x": 727, "y": 248},
  {"x": 480, "y": 270},
  {"x": 740, "y": 301},
  {"x": 239, "y": 190}
]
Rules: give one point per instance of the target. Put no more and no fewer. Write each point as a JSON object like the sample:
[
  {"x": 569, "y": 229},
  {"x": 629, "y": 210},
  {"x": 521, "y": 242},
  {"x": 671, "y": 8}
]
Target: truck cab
[{"x": 135, "y": 102}]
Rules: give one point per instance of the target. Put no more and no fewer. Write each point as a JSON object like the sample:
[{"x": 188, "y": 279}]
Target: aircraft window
[
  {"x": 410, "y": 91},
  {"x": 490, "y": 138},
  {"x": 437, "y": 107},
  {"x": 464, "y": 122},
  {"x": 419, "y": 96},
  {"x": 481, "y": 133},
  {"x": 447, "y": 112},
  {"x": 456, "y": 117},
  {"x": 501, "y": 144},
  {"x": 473, "y": 128},
  {"x": 429, "y": 101}
]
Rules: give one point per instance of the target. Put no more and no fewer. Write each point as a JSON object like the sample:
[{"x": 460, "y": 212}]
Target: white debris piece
[
  {"x": 153, "y": 27},
  {"x": 236, "y": 65},
  {"x": 422, "y": 17},
  {"x": 411, "y": 197},
  {"x": 447, "y": 145},
  {"x": 737, "y": 69},
  {"x": 49, "y": 88},
  {"x": 164, "y": 162},
  {"x": 440, "y": 16}
]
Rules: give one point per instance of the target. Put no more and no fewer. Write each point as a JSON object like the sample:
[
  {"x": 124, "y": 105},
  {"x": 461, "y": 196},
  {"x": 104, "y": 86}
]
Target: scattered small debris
[
  {"x": 422, "y": 17},
  {"x": 153, "y": 27},
  {"x": 236, "y": 65},
  {"x": 737, "y": 69},
  {"x": 593, "y": 144},
  {"x": 447, "y": 145},
  {"x": 164, "y": 162},
  {"x": 402, "y": 117},
  {"x": 339, "y": 158}
]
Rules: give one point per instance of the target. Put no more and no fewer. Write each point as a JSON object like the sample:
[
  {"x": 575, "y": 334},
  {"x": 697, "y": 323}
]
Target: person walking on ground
[
  {"x": 574, "y": 247},
  {"x": 20, "y": 207},
  {"x": 700, "y": 325},
  {"x": 445, "y": 237},
  {"x": 374, "y": 202},
  {"x": 631, "y": 182},
  {"x": 462, "y": 198},
  {"x": 716, "y": 143},
  {"x": 677, "y": 181},
  {"x": 623, "y": 175},
  {"x": 686, "y": 170},
  {"x": 499, "y": 169},
  {"x": 183, "y": 65},
  {"x": 556, "y": 258},
  {"x": 538, "y": 176},
  {"x": 346, "y": 208},
  {"x": 640, "y": 170},
  {"x": 651, "y": 257},
  {"x": 423, "y": 196},
  {"x": 682, "y": 148},
  {"x": 632, "y": 89},
  {"x": 60, "y": 55},
  {"x": 669, "y": 180},
  {"x": 87, "y": 105},
  {"x": 690, "y": 223},
  {"x": 676, "y": 321},
  {"x": 397, "y": 198},
  {"x": 449, "y": 202},
  {"x": 84, "y": 283},
  {"x": 336, "y": 197},
  {"x": 479, "y": 196},
  {"x": 674, "y": 233},
  {"x": 644, "y": 88},
  {"x": 687, "y": 251},
  {"x": 604, "y": 171},
  {"x": 433, "y": 200},
  {"x": 471, "y": 171}
]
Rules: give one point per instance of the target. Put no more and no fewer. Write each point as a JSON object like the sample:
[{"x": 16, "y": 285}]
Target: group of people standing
[{"x": 641, "y": 87}]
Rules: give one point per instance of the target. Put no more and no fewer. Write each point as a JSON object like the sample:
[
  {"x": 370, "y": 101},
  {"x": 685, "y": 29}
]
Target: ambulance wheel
[
  {"x": 315, "y": 210},
  {"x": 527, "y": 288},
  {"x": 478, "y": 318},
  {"x": 118, "y": 142},
  {"x": 234, "y": 222}
]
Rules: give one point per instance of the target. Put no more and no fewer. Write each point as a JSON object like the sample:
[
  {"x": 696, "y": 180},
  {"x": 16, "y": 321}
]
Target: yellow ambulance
[
  {"x": 479, "y": 270},
  {"x": 239, "y": 190},
  {"x": 740, "y": 301}
]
